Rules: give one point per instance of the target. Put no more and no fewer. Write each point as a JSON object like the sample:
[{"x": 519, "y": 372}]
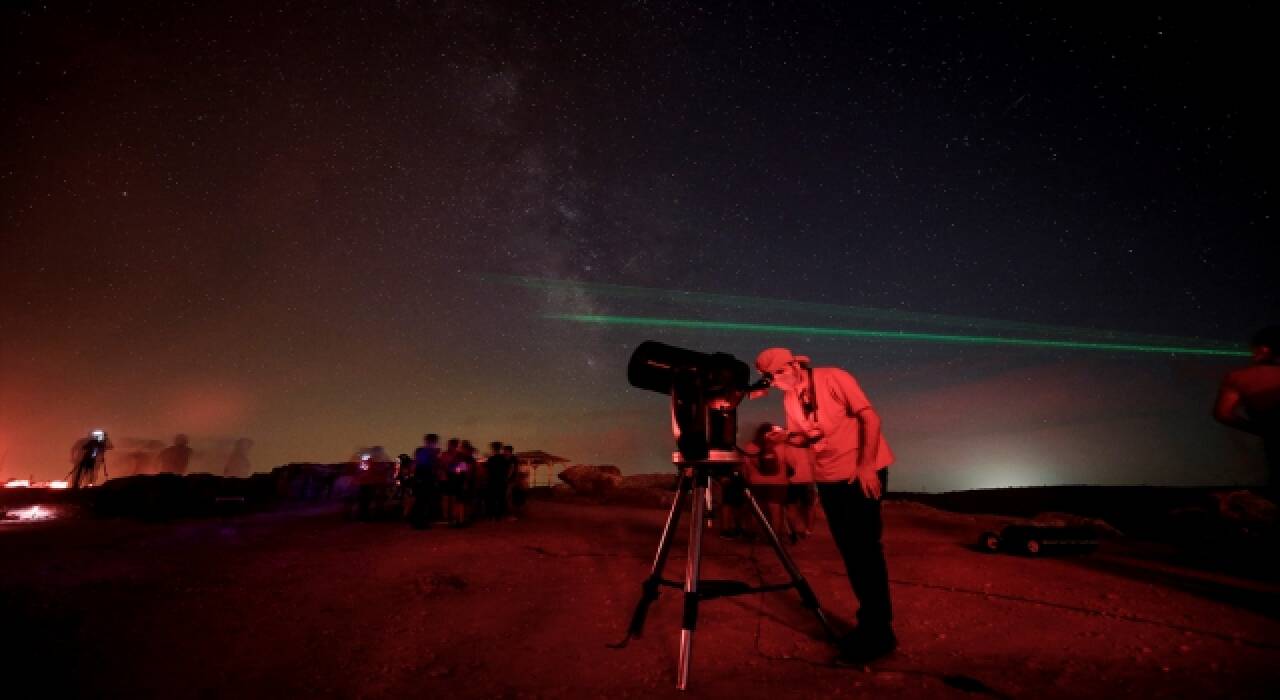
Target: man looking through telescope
[{"x": 828, "y": 413}]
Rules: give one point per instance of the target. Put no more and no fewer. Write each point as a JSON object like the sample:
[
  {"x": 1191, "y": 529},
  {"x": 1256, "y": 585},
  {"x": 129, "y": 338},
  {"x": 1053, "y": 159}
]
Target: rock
[
  {"x": 1245, "y": 509},
  {"x": 646, "y": 497},
  {"x": 591, "y": 479},
  {"x": 167, "y": 496},
  {"x": 651, "y": 481}
]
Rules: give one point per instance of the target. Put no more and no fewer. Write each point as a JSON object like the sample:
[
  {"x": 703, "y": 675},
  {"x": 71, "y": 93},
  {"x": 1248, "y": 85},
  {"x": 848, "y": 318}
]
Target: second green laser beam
[
  {"x": 959, "y": 324},
  {"x": 888, "y": 335}
]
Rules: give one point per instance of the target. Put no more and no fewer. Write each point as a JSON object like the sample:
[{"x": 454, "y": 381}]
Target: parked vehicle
[{"x": 1034, "y": 539}]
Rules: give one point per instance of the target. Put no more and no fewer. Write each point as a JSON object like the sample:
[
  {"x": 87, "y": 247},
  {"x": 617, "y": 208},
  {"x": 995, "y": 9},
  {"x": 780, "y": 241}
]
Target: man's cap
[{"x": 774, "y": 358}]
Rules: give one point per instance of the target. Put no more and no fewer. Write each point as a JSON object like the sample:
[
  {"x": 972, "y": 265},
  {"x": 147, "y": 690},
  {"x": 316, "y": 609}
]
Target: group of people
[
  {"x": 452, "y": 485},
  {"x": 89, "y": 458}
]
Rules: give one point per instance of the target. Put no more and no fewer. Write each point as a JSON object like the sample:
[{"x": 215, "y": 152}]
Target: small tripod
[{"x": 695, "y": 478}]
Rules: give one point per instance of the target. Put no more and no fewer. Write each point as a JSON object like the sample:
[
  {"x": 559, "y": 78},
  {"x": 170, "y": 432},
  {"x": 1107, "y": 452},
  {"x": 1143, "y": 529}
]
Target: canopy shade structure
[{"x": 539, "y": 466}]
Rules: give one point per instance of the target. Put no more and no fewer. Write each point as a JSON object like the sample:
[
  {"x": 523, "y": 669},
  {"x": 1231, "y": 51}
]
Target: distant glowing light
[
  {"x": 32, "y": 513},
  {"x": 879, "y": 334},
  {"x": 58, "y": 484},
  {"x": 18, "y": 484}
]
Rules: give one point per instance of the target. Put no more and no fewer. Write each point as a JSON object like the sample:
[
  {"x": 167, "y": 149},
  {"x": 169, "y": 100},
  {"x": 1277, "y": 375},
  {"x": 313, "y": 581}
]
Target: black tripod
[{"x": 695, "y": 478}]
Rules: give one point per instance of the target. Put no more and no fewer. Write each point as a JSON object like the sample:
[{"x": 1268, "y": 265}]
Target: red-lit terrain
[{"x": 306, "y": 604}]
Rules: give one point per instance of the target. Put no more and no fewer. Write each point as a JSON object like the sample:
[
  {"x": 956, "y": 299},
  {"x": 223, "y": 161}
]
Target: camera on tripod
[{"x": 705, "y": 391}]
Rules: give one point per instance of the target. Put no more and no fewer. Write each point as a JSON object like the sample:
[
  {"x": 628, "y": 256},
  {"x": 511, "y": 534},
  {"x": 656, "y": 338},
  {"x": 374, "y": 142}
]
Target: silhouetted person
[
  {"x": 828, "y": 413},
  {"x": 513, "y": 481},
  {"x": 765, "y": 475},
  {"x": 802, "y": 494},
  {"x": 462, "y": 484},
  {"x": 426, "y": 495},
  {"x": 731, "y": 512},
  {"x": 1249, "y": 399},
  {"x": 374, "y": 478},
  {"x": 519, "y": 480},
  {"x": 238, "y": 461},
  {"x": 499, "y": 470},
  {"x": 479, "y": 501},
  {"x": 443, "y": 484},
  {"x": 142, "y": 459},
  {"x": 87, "y": 455},
  {"x": 175, "y": 458}
]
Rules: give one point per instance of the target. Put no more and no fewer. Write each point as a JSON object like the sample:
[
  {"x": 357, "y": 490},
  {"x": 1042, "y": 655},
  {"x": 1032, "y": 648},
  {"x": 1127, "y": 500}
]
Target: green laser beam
[
  {"x": 889, "y": 335},
  {"x": 891, "y": 315}
]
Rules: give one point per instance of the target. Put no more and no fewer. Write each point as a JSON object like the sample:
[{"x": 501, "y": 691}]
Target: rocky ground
[{"x": 304, "y": 602}]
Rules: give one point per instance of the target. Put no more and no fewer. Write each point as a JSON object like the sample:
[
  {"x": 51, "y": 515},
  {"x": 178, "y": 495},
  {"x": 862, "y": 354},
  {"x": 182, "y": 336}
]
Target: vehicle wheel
[
  {"x": 1032, "y": 547},
  {"x": 989, "y": 542}
]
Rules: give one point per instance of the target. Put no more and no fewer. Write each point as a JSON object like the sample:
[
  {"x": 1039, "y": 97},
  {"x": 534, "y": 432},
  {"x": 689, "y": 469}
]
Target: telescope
[{"x": 705, "y": 391}]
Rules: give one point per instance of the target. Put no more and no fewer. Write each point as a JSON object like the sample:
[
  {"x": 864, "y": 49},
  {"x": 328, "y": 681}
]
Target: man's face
[{"x": 786, "y": 377}]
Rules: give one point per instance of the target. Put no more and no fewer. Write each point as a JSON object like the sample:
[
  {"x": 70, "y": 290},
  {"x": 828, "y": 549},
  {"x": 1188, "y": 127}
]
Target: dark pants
[
  {"x": 84, "y": 474},
  {"x": 856, "y": 527},
  {"x": 497, "y": 500},
  {"x": 365, "y": 494},
  {"x": 425, "y": 502}
]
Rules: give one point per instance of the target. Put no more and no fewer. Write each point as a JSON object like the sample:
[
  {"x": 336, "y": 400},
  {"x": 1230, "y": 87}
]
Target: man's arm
[
  {"x": 1227, "y": 410},
  {"x": 858, "y": 408},
  {"x": 869, "y": 434}
]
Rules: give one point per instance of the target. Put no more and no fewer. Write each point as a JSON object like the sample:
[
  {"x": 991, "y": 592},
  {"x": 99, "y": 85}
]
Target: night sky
[{"x": 325, "y": 226}]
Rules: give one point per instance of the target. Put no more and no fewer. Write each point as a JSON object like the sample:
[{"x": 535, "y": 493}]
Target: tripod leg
[
  {"x": 797, "y": 579},
  {"x": 691, "y": 575},
  {"x": 649, "y": 589}
]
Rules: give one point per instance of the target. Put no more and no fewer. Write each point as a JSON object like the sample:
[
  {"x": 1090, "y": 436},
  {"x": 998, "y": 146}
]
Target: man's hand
[
  {"x": 869, "y": 480},
  {"x": 796, "y": 439}
]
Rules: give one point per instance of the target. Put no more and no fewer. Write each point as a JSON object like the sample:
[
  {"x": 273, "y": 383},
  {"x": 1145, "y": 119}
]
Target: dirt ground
[{"x": 305, "y": 603}]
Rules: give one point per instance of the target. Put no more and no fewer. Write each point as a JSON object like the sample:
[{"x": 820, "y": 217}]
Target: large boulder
[
  {"x": 643, "y": 497},
  {"x": 592, "y": 479},
  {"x": 666, "y": 482},
  {"x": 306, "y": 481},
  {"x": 168, "y": 496}
]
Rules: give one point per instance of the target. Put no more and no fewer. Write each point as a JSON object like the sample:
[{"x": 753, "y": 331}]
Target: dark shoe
[{"x": 861, "y": 647}]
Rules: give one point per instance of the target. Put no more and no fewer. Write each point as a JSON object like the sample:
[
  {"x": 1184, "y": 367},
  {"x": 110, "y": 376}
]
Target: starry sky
[{"x": 329, "y": 225}]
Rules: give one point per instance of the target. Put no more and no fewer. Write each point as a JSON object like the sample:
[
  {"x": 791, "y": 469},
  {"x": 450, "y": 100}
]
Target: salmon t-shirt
[{"x": 835, "y": 457}]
